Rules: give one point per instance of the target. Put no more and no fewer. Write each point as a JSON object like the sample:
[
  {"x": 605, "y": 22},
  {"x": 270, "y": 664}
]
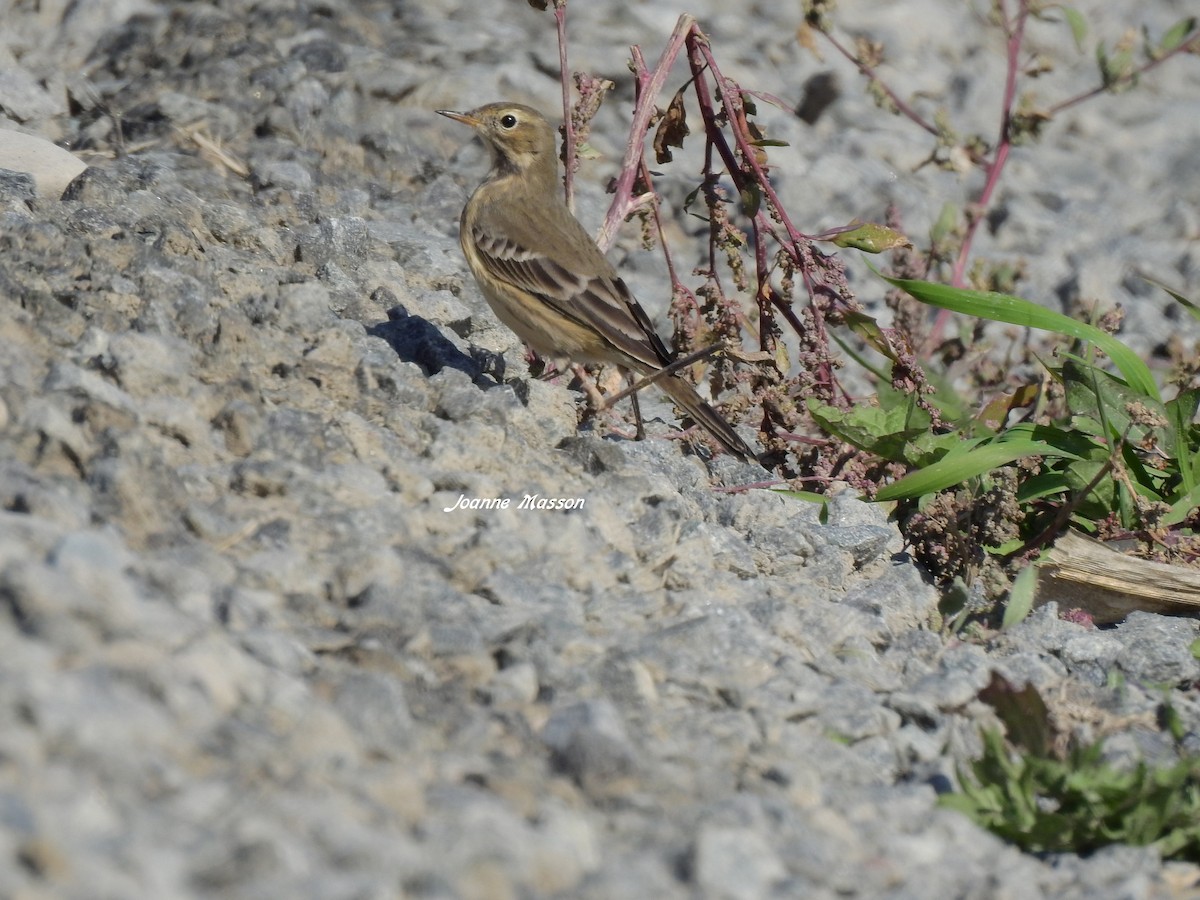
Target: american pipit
[{"x": 544, "y": 275}]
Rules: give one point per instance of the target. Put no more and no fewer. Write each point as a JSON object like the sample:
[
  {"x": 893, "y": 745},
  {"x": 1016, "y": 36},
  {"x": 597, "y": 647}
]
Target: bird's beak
[{"x": 465, "y": 118}]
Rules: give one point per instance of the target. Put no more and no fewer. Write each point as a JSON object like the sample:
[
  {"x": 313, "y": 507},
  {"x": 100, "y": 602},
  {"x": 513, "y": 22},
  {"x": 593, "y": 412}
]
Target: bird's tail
[{"x": 708, "y": 418}]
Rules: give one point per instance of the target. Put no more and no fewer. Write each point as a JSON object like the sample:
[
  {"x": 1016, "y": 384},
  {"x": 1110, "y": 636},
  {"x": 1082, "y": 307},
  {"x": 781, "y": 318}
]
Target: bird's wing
[{"x": 596, "y": 299}]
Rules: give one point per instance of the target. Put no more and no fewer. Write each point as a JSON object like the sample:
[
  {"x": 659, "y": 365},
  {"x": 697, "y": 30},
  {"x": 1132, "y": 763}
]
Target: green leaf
[
  {"x": 1044, "y": 484},
  {"x": 1023, "y": 712},
  {"x": 1005, "y": 549},
  {"x": 1075, "y": 444},
  {"x": 1180, "y": 413},
  {"x": 1183, "y": 507},
  {"x": 881, "y": 377},
  {"x": 1016, "y": 311},
  {"x": 1078, "y": 805},
  {"x": 868, "y": 329},
  {"x": 751, "y": 199},
  {"x": 946, "y": 221},
  {"x": 1020, "y": 598},
  {"x": 1095, "y": 394},
  {"x": 1176, "y": 34},
  {"x": 1102, "y": 498},
  {"x": 1174, "y": 721},
  {"x": 958, "y": 468},
  {"x": 871, "y": 238},
  {"x": 809, "y": 497},
  {"x": 966, "y": 802},
  {"x": 883, "y": 432},
  {"x": 1190, "y": 306},
  {"x": 1116, "y": 68},
  {"x": 1077, "y": 23}
]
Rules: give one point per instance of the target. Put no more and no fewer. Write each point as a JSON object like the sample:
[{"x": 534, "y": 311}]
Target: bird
[{"x": 543, "y": 274}]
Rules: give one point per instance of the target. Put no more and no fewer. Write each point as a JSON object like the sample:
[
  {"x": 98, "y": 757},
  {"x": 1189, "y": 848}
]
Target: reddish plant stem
[
  {"x": 742, "y": 166},
  {"x": 751, "y": 172},
  {"x": 656, "y": 212},
  {"x": 649, "y": 86},
  {"x": 731, "y": 98},
  {"x": 762, "y": 293},
  {"x": 560, "y": 20},
  {"x": 905, "y": 110},
  {"x": 994, "y": 168},
  {"x": 1187, "y": 45},
  {"x": 716, "y": 139},
  {"x": 711, "y": 198}
]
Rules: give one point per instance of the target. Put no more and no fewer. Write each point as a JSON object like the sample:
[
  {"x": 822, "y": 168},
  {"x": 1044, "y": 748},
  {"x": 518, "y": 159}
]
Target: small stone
[
  {"x": 589, "y": 743},
  {"x": 736, "y": 864},
  {"x": 51, "y": 167},
  {"x": 25, "y": 99}
]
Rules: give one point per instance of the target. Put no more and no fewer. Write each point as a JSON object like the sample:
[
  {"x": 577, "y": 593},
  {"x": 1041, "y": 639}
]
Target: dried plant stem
[
  {"x": 901, "y": 106},
  {"x": 751, "y": 174},
  {"x": 648, "y": 86},
  {"x": 1189, "y": 44},
  {"x": 995, "y": 167},
  {"x": 675, "y": 366},
  {"x": 560, "y": 21}
]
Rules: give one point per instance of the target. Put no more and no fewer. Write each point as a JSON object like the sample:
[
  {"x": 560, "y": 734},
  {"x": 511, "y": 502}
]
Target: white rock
[{"x": 52, "y": 167}]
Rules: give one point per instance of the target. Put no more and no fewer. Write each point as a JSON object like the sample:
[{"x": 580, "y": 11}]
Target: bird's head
[{"x": 519, "y": 136}]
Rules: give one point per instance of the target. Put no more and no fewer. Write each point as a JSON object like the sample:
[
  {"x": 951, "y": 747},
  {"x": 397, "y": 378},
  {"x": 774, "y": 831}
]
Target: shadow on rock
[{"x": 420, "y": 341}]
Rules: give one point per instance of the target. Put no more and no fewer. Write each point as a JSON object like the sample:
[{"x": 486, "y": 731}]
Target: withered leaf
[
  {"x": 758, "y": 141},
  {"x": 672, "y": 129},
  {"x": 1023, "y": 712},
  {"x": 868, "y": 329}
]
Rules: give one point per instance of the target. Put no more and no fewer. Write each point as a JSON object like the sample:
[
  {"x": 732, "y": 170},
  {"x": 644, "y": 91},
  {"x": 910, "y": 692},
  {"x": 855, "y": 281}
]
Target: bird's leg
[
  {"x": 551, "y": 367},
  {"x": 671, "y": 369},
  {"x": 597, "y": 401},
  {"x": 595, "y": 398},
  {"x": 637, "y": 411}
]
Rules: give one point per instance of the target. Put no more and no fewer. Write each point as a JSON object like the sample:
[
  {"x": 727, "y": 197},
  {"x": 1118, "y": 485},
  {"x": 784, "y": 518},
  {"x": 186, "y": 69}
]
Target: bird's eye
[{"x": 508, "y": 121}]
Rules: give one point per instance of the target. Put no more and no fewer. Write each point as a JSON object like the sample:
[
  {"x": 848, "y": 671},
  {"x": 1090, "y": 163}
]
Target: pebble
[{"x": 49, "y": 166}]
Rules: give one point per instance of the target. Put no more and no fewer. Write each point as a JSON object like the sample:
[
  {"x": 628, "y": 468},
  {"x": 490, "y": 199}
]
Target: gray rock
[
  {"x": 1091, "y": 656},
  {"x": 375, "y": 708},
  {"x": 16, "y": 186},
  {"x": 286, "y": 175},
  {"x": 735, "y": 864},
  {"x": 24, "y": 99},
  {"x": 1158, "y": 649},
  {"x": 589, "y": 744}
]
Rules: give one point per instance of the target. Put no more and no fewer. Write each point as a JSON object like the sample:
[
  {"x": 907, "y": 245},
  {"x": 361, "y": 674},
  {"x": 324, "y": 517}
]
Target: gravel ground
[{"x": 246, "y": 651}]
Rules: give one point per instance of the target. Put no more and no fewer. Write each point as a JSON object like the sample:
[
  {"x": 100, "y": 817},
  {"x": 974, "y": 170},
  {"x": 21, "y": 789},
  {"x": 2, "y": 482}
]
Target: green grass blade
[
  {"x": 1020, "y": 598},
  {"x": 1192, "y": 308},
  {"x": 1016, "y": 311},
  {"x": 1181, "y": 411},
  {"x": 808, "y": 496},
  {"x": 955, "y": 468},
  {"x": 1182, "y": 508}
]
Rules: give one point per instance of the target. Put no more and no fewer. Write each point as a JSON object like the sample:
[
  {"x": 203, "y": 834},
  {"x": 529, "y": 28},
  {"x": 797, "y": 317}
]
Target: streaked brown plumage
[{"x": 544, "y": 275}]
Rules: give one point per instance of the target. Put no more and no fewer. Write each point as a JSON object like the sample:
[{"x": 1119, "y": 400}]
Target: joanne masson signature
[{"x": 535, "y": 502}]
